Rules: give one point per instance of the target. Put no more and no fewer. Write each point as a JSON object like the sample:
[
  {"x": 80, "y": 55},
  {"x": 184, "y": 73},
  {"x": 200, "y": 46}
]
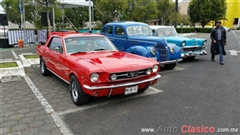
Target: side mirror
[{"x": 58, "y": 49}]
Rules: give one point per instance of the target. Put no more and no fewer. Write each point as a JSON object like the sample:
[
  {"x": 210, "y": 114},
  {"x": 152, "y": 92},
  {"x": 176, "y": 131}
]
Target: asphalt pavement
[
  {"x": 199, "y": 96},
  {"x": 203, "y": 94}
]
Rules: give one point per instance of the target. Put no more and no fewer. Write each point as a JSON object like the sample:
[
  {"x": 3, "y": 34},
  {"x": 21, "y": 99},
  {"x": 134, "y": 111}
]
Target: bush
[
  {"x": 238, "y": 28},
  {"x": 191, "y": 30}
]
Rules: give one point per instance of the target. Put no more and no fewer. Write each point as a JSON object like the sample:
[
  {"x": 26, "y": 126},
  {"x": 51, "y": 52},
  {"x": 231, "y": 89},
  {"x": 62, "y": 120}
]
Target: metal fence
[
  {"x": 14, "y": 35},
  {"x": 42, "y": 36}
]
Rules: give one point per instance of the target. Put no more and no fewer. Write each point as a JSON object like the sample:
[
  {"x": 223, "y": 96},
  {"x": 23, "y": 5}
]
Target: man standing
[{"x": 218, "y": 36}]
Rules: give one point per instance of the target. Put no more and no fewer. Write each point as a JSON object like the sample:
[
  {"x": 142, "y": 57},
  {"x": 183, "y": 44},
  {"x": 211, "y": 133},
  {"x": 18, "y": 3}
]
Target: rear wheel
[
  {"x": 43, "y": 68},
  {"x": 77, "y": 94},
  {"x": 170, "y": 66}
]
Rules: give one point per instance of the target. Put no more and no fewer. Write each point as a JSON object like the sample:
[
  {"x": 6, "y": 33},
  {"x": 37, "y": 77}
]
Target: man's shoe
[
  {"x": 213, "y": 60},
  {"x": 221, "y": 63}
]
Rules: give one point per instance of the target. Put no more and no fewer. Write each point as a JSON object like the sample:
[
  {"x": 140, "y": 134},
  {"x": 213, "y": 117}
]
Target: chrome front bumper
[
  {"x": 121, "y": 85},
  {"x": 191, "y": 54},
  {"x": 170, "y": 61}
]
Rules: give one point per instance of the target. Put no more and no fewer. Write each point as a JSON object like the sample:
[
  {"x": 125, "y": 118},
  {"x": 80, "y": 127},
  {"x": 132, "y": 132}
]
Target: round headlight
[
  {"x": 148, "y": 72},
  {"x": 183, "y": 43},
  {"x": 113, "y": 77},
  {"x": 94, "y": 77},
  {"x": 172, "y": 50},
  {"x": 153, "y": 51},
  {"x": 204, "y": 43},
  {"x": 155, "y": 68}
]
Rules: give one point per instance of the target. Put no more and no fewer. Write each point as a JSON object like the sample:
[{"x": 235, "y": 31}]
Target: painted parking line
[
  {"x": 14, "y": 54},
  {"x": 48, "y": 108},
  {"x": 150, "y": 91},
  {"x": 173, "y": 70},
  {"x": 237, "y": 37}
]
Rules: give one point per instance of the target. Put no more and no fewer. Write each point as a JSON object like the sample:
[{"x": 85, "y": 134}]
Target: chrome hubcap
[
  {"x": 74, "y": 91},
  {"x": 42, "y": 66}
]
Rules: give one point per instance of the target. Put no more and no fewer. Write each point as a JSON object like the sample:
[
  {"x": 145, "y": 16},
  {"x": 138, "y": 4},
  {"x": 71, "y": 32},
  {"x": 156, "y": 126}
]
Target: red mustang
[{"x": 92, "y": 66}]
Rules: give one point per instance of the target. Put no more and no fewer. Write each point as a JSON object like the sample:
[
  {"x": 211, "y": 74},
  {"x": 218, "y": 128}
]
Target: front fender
[
  {"x": 177, "y": 52},
  {"x": 143, "y": 51}
]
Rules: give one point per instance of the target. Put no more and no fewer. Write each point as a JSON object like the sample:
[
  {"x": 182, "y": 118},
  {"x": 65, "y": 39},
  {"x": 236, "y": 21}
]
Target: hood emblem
[{"x": 132, "y": 74}]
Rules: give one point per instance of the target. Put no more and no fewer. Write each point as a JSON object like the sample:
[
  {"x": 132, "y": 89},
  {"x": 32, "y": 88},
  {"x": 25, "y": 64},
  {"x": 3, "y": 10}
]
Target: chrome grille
[
  {"x": 192, "y": 49},
  {"x": 163, "y": 51},
  {"x": 129, "y": 75}
]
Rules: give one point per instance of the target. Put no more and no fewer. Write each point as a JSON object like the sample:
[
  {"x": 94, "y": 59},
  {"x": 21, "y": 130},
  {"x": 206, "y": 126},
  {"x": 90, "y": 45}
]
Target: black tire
[
  {"x": 43, "y": 68},
  {"x": 77, "y": 94},
  {"x": 170, "y": 66},
  {"x": 191, "y": 58}
]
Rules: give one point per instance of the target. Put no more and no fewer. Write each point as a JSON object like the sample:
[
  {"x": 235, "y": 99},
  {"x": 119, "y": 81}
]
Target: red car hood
[{"x": 115, "y": 61}]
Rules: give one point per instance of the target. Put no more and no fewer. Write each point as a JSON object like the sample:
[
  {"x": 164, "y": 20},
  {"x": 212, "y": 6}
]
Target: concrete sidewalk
[{"x": 21, "y": 112}]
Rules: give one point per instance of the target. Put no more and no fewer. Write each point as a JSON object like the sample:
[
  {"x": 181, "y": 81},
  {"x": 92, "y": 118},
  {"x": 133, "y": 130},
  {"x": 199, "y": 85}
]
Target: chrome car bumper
[
  {"x": 121, "y": 85},
  {"x": 170, "y": 61},
  {"x": 191, "y": 54}
]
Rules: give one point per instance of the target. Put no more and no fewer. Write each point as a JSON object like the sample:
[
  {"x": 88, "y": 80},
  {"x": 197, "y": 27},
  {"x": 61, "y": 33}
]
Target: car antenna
[{"x": 72, "y": 24}]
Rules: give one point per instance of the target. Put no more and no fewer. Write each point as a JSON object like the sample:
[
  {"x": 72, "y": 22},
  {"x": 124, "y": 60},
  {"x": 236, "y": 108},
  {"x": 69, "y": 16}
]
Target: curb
[
  {"x": 13, "y": 73},
  {"x": 28, "y": 62}
]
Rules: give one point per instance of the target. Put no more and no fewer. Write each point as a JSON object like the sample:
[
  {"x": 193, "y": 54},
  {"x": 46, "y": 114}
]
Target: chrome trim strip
[
  {"x": 120, "y": 85},
  {"x": 58, "y": 76},
  {"x": 171, "y": 61}
]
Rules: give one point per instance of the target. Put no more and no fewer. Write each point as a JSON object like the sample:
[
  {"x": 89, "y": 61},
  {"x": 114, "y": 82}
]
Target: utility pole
[
  {"x": 90, "y": 16},
  {"x": 176, "y": 13}
]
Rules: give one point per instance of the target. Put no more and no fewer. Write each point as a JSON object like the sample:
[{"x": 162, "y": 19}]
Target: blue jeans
[{"x": 220, "y": 51}]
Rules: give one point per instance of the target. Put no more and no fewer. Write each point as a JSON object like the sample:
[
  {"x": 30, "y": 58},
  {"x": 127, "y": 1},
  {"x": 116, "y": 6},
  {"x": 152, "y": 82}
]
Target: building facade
[{"x": 233, "y": 14}]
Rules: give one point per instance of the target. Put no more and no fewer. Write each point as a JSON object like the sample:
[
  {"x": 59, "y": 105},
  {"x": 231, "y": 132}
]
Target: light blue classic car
[
  {"x": 190, "y": 47},
  {"x": 136, "y": 38}
]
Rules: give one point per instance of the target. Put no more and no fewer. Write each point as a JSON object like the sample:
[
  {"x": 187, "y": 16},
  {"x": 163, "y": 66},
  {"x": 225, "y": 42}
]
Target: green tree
[
  {"x": 139, "y": 10},
  {"x": 48, "y": 4},
  {"x": 11, "y": 9},
  {"x": 77, "y": 15},
  {"x": 109, "y": 10},
  {"x": 166, "y": 9},
  {"x": 204, "y": 11}
]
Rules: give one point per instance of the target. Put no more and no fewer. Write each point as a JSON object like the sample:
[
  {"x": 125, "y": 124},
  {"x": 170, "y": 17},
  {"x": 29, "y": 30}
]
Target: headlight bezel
[
  {"x": 149, "y": 70},
  {"x": 94, "y": 77},
  {"x": 155, "y": 68},
  {"x": 111, "y": 77},
  {"x": 153, "y": 51},
  {"x": 172, "y": 50},
  {"x": 204, "y": 43},
  {"x": 183, "y": 43}
]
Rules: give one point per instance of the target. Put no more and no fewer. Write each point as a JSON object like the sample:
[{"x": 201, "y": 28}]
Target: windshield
[
  {"x": 136, "y": 30},
  {"x": 166, "y": 32},
  {"x": 88, "y": 44}
]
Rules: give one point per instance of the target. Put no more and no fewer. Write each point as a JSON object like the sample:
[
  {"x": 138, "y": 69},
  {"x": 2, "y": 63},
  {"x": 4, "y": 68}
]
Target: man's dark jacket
[{"x": 214, "y": 36}]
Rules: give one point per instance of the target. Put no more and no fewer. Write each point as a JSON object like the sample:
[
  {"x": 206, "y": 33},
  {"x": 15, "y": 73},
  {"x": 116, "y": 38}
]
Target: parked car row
[{"x": 125, "y": 58}]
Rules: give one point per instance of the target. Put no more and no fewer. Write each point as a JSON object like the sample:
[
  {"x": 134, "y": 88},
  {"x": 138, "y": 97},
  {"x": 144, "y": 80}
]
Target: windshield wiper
[
  {"x": 78, "y": 52},
  {"x": 100, "y": 49}
]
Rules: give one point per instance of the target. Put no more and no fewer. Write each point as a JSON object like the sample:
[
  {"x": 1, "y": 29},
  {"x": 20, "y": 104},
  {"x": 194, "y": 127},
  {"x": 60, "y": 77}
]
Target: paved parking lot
[{"x": 198, "y": 93}]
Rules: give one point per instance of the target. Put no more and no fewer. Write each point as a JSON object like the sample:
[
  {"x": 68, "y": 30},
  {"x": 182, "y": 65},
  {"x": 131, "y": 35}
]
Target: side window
[
  {"x": 104, "y": 30},
  {"x": 119, "y": 31},
  {"x": 55, "y": 42},
  {"x": 109, "y": 30}
]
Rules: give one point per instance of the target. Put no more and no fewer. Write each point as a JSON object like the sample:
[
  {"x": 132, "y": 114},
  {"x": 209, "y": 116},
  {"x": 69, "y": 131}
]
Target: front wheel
[
  {"x": 191, "y": 58},
  {"x": 170, "y": 66},
  {"x": 77, "y": 94}
]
